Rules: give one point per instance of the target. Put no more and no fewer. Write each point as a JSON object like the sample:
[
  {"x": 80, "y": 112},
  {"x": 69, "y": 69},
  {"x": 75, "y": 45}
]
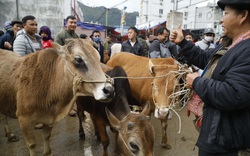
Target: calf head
[
  {"x": 82, "y": 66},
  {"x": 135, "y": 133},
  {"x": 162, "y": 87}
]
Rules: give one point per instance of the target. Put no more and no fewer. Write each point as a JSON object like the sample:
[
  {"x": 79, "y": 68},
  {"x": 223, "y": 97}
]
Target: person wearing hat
[
  {"x": 225, "y": 86},
  {"x": 27, "y": 40},
  {"x": 208, "y": 37},
  {"x": 7, "y": 25},
  {"x": 7, "y": 40},
  {"x": 205, "y": 43}
]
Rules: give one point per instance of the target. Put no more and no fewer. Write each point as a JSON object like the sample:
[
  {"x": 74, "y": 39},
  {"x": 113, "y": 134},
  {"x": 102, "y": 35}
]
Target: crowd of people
[{"x": 222, "y": 84}]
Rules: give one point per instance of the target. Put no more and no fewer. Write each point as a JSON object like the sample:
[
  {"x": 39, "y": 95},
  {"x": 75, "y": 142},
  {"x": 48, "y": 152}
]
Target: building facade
[
  {"x": 197, "y": 14},
  {"x": 47, "y": 12}
]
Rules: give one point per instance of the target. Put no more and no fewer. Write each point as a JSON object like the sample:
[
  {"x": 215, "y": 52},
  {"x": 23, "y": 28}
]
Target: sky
[{"x": 132, "y": 5}]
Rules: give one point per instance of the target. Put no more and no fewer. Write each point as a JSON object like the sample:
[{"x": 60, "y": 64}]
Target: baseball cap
[{"x": 7, "y": 25}]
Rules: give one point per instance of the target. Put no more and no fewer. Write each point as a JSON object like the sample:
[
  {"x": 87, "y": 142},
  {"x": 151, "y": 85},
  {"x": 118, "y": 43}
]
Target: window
[{"x": 160, "y": 11}]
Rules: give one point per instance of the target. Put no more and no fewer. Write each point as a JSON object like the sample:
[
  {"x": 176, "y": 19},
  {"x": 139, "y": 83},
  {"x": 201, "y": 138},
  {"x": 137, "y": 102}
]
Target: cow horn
[{"x": 151, "y": 67}]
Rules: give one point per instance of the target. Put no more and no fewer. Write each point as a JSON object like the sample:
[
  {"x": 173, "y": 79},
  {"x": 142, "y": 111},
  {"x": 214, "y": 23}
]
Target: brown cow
[
  {"x": 134, "y": 134},
  {"x": 156, "y": 90},
  {"x": 42, "y": 87}
]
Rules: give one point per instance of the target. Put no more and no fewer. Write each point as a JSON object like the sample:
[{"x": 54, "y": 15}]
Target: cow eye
[
  {"x": 133, "y": 146},
  {"x": 78, "y": 60},
  {"x": 80, "y": 64}
]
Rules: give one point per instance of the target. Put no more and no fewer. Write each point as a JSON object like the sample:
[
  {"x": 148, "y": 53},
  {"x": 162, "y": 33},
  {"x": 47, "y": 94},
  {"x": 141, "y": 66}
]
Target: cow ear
[
  {"x": 146, "y": 109},
  {"x": 151, "y": 67},
  {"x": 58, "y": 48},
  {"x": 112, "y": 119}
]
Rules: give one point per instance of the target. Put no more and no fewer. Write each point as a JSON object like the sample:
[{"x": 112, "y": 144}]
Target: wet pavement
[{"x": 64, "y": 140}]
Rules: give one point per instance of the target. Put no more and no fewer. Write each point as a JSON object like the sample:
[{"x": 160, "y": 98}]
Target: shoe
[{"x": 38, "y": 126}]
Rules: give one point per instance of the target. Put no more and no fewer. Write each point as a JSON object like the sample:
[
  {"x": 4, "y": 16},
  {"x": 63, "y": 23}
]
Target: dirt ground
[{"x": 65, "y": 141}]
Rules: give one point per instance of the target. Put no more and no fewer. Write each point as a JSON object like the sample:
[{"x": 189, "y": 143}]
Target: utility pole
[
  {"x": 123, "y": 19},
  {"x": 107, "y": 9}
]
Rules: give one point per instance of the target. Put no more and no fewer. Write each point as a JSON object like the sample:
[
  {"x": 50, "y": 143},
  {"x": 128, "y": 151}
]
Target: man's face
[
  {"x": 164, "y": 36},
  {"x": 189, "y": 38},
  {"x": 71, "y": 24},
  {"x": 131, "y": 34},
  {"x": 31, "y": 27},
  {"x": 16, "y": 27}
]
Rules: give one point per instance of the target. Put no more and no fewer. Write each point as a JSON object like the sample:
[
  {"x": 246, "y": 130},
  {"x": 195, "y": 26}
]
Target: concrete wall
[{"x": 47, "y": 12}]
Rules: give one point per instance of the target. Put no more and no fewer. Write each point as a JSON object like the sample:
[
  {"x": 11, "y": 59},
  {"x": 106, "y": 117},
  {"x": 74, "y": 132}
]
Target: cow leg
[
  {"x": 11, "y": 137},
  {"x": 81, "y": 116},
  {"x": 101, "y": 127},
  {"x": 27, "y": 128},
  {"x": 94, "y": 120},
  {"x": 164, "y": 142},
  {"x": 46, "y": 135}
]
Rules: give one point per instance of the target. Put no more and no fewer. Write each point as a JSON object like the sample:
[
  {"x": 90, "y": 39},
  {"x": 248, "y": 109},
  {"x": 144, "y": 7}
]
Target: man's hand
[
  {"x": 190, "y": 79},
  {"x": 7, "y": 45},
  {"x": 177, "y": 36}
]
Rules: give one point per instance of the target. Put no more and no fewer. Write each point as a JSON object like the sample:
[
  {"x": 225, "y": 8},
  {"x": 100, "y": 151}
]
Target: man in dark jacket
[
  {"x": 7, "y": 40},
  {"x": 96, "y": 37},
  {"x": 132, "y": 45},
  {"x": 225, "y": 87}
]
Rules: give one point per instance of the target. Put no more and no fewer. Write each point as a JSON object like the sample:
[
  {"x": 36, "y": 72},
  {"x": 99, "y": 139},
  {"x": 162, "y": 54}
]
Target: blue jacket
[
  {"x": 226, "y": 114},
  {"x": 7, "y": 37}
]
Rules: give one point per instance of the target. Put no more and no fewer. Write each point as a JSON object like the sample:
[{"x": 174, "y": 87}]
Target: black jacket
[
  {"x": 226, "y": 115},
  {"x": 137, "y": 49}
]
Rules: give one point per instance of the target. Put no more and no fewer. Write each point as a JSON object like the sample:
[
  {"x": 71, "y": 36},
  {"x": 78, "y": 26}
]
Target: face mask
[
  {"x": 208, "y": 38},
  {"x": 44, "y": 38},
  {"x": 97, "y": 39}
]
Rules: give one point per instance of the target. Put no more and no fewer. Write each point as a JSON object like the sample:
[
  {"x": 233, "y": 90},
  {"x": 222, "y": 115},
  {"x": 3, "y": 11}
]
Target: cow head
[
  {"x": 135, "y": 134},
  {"x": 81, "y": 64},
  {"x": 162, "y": 87}
]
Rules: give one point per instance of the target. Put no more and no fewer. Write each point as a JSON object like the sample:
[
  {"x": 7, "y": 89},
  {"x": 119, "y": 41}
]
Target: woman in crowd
[{"x": 46, "y": 37}]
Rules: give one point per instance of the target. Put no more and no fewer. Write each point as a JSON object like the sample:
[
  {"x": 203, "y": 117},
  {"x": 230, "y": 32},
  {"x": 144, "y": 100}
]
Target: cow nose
[{"x": 109, "y": 91}]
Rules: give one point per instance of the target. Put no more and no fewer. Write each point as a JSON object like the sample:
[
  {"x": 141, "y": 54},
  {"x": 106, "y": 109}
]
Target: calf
[{"x": 133, "y": 132}]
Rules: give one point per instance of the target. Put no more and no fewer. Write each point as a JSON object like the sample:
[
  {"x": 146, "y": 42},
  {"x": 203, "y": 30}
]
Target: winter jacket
[
  {"x": 23, "y": 44},
  {"x": 137, "y": 49},
  {"x": 168, "y": 49},
  {"x": 7, "y": 37},
  {"x": 63, "y": 35},
  {"x": 226, "y": 114}
]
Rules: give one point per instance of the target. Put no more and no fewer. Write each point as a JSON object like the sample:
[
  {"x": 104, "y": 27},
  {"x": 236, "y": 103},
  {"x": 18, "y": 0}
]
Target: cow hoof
[
  {"x": 166, "y": 146},
  {"x": 13, "y": 138}
]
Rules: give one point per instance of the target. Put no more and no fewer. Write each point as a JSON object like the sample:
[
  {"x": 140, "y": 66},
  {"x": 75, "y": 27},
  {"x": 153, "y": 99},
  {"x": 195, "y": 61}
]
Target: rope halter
[{"x": 79, "y": 80}]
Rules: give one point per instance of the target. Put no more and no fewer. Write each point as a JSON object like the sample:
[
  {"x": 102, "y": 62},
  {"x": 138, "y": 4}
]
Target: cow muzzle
[
  {"x": 109, "y": 92},
  {"x": 161, "y": 113},
  {"x": 104, "y": 92}
]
